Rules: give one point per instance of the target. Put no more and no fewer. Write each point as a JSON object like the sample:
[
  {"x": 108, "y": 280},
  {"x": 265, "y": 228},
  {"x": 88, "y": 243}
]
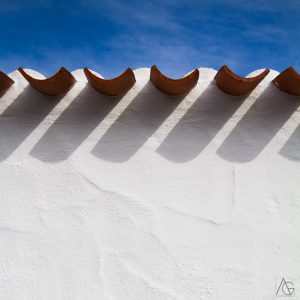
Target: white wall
[{"x": 148, "y": 196}]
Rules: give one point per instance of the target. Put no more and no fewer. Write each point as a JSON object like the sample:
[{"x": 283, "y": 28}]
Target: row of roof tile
[{"x": 60, "y": 83}]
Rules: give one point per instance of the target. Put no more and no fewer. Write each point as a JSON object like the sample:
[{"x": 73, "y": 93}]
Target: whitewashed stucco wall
[{"x": 148, "y": 196}]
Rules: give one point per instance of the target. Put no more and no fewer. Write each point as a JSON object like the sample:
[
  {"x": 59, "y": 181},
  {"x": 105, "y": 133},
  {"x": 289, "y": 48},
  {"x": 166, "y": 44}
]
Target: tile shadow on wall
[
  {"x": 21, "y": 117},
  {"x": 3, "y": 93},
  {"x": 258, "y": 126},
  {"x": 291, "y": 149},
  {"x": 74, "y": 125},
  {"x": 143, "y": 116},
  {"x": 199, "y": 125}
]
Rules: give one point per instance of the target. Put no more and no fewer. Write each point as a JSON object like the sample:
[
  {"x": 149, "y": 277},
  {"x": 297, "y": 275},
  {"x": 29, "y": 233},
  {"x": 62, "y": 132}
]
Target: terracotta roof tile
[
  {"x": 235, "y": 85},
  {"x": 288, "y": 81},
  {"x": 173, "y": 86},
  {"x": 56, "y": 85},
  {"x": 111, "y": 87},
  {"x": 5, "y": 82}
]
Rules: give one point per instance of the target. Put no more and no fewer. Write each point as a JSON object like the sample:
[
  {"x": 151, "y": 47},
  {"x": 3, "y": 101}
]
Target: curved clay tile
[
  {"x": 233, "y": 84},
  {"x": 111, "y": 87},
  {"x": 5, "y": 82},
  {"x": 288, "y": 81},
  {"x": 173, "y": 86},
  {"x": 58, "y": 84}
]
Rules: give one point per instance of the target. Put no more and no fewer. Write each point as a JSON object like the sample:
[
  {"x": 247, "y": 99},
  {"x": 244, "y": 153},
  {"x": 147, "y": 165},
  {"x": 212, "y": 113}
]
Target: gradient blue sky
[{"x": 176, "y": 35}]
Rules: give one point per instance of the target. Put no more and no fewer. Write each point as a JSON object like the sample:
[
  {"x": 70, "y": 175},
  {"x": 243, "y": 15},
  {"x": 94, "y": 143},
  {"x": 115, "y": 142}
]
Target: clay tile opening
[
  {"x": 173, "y": 86},
  {"x": 111, "y": 87},
  {"x": 5, "y": 82},
  {"x": 56, "y": 85},
  {"x": 233, "y": 84},
  {"x": 288, "y": 81}
]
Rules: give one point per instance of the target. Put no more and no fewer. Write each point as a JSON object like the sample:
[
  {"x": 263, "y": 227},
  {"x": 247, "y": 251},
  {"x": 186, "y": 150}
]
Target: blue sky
[{"x": 176, "y": 35}]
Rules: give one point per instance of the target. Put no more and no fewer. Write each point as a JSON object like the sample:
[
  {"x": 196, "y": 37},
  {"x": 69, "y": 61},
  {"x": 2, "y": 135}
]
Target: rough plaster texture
[{"x": 148, "y": 196}]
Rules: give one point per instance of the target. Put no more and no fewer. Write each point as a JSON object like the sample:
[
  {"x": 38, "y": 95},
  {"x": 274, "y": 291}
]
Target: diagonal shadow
[
  {"x": 74, "y": 125},
  {"x": 291, "y": 149},
  {"x": 143, "y": 116},
  {"x": 3, "y": 93},
  {"x": 21, "y": 117},
  {"x": 199, "y": 125},
  {"x": 258, "y": 126}
]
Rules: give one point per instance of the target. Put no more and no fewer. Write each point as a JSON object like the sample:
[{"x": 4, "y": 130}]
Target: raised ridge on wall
[{"x": 225, "y": 79}]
